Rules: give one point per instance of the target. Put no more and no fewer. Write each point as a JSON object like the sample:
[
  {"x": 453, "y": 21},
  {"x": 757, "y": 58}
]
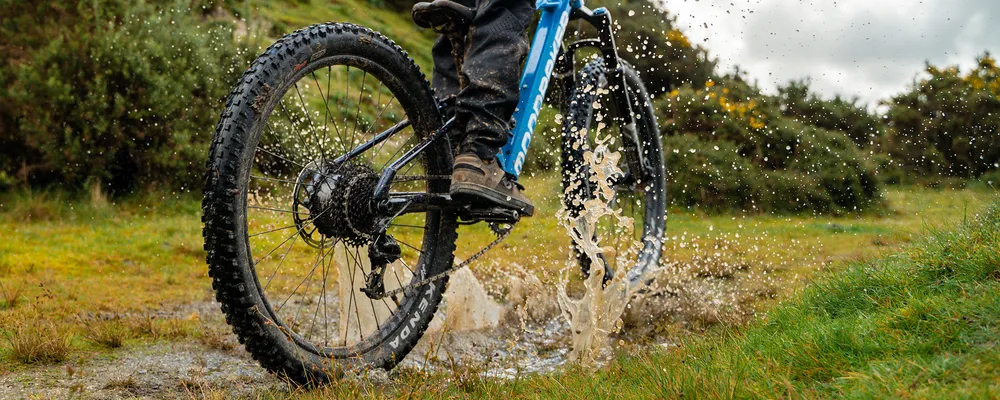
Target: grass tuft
[
  {"x": 216, "y": 338},
  {"x": 160, "y": 328},
  {"x": 34, "y": 206},
  {"x": 10, "y": 294},
  {"x": 110, "y": 334},
  {"x": 127, "y": 383},
  {"x": 38, "y": 342}
]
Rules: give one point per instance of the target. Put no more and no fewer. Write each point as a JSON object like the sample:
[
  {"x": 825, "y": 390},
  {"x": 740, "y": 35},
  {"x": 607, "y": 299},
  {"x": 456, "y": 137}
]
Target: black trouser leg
[{"x": 497, "y": 44}]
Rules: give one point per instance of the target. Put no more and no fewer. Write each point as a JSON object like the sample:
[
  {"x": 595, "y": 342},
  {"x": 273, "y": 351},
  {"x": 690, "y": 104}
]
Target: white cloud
[{"x": 871, "y": 49}]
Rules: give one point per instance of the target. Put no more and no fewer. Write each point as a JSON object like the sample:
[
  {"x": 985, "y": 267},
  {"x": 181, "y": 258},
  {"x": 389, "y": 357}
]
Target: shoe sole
[{"x": 477, "y": 191}]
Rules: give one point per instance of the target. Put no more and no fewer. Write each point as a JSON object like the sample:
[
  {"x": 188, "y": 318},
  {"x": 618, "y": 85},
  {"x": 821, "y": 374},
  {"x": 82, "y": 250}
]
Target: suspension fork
[{"x": 615, "y": 74}]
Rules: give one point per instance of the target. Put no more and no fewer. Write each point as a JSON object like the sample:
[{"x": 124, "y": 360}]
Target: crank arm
[{"x": 400, "y": 203}]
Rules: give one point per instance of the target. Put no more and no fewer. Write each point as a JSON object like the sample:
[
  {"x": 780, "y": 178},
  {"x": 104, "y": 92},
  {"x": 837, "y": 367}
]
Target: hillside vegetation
[{"x": 122, "y": 95}]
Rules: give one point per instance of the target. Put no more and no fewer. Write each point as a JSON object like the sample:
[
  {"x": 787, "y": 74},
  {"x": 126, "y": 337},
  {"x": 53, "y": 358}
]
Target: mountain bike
[{"x": 327, "y": 221}]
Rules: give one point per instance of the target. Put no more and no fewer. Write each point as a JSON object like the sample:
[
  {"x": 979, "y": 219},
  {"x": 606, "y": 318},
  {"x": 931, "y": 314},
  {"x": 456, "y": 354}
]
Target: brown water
[{"x": 598, "y": 312}]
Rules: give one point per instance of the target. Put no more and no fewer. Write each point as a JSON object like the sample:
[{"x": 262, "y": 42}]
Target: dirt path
[
  {"x": 525, "y": 334},
  {"x": 187, "y": 368},
  {"x": 161, "y": 370}
]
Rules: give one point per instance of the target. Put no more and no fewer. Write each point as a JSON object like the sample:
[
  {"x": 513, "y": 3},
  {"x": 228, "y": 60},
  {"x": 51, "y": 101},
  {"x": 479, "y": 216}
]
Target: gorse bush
[
  {"x": 118, "y": 91},
  {"x": 948, "y": 124},
  {"x": 798, "y": 102},
  {"x": 647, "y": 37},
  {"x": 729, "y": 147}
]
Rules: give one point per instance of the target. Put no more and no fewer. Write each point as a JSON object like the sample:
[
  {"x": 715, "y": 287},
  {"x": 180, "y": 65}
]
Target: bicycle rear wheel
[
  {"x": 288, "y": 211},
  {"x": 593, "y": 119}
]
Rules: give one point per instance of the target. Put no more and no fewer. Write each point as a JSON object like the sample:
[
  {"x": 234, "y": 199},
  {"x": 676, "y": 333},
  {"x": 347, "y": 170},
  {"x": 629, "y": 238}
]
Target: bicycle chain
[{"x": 443, "y": 274}]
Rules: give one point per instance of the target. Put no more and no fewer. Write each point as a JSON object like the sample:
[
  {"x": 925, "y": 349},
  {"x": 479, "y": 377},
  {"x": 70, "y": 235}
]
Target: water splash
[{"x": 598, "y": 312}]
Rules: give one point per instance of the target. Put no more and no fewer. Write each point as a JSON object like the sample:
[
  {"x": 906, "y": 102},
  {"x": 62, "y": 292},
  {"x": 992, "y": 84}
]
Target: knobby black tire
[
  {"x": 237, "y": 288},
  {"x": 579, "y": 112}
]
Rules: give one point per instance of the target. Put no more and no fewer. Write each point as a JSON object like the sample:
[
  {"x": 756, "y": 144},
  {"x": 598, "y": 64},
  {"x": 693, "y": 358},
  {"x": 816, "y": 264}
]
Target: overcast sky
[{"x": 866, "y": 48}]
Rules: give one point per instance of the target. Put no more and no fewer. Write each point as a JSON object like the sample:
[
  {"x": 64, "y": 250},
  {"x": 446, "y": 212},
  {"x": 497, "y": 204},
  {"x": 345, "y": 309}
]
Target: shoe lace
[{"x": 513, "y": 179}]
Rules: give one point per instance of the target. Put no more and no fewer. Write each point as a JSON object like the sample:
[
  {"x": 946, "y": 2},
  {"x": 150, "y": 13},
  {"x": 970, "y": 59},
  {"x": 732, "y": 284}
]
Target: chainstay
[
  {"x": 413, "y": 178},
  {"x": 449, "y": 271}
]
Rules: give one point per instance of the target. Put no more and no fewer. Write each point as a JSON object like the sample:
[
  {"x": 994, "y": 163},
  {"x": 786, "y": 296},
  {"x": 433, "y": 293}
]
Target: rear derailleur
[{"x": 382, "y": 252}]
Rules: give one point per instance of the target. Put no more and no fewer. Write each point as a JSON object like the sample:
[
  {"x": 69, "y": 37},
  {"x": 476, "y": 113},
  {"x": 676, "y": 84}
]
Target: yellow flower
[
  {"x": 677, "y": 38},
  {"x": 710, "y": 83}
]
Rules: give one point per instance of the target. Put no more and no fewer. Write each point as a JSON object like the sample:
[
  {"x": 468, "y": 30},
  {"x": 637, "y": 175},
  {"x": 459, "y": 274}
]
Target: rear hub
[{"x": 339, "y": 202}]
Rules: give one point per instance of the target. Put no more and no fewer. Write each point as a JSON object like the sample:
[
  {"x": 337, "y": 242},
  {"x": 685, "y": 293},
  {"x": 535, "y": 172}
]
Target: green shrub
[
  {"x": 887, "y": 170},
  {"x": 119, "y": 91},
  {"x": 709, "y": 175},
  {"x": 948, "y": 123},
  {"x": 728, "y": 147},
  {"x": 797, "y": 101}
]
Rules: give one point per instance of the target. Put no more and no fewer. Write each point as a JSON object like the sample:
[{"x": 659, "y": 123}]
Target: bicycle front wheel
[{"x": 592, "y": 119}]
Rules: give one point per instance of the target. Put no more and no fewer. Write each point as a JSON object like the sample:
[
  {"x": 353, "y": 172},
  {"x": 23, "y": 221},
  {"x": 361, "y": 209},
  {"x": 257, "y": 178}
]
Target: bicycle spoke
[
  {"x": 294, "y": 235},
  {"x": 272, "y": 230},
  {"x": 357, "y": 313},
  {"x": 410, "y": 246},
  {"x": 357, "y": 109},
  {"x": 277, "y": 210},
  {"x": 265, "y": 178},
  {"x": 407, "y": 267},
  {"x": 408, "y": 226},
  {"x": 326, "y": 303},
  {"x": 323, "y": 272},
  {"x": 326, "y": 103},
  {"x": 401, "y": 147},
  {"x": 283, "y": 258},
  {"x": 347, "y": 318},
  {"x": 347, "y": 96},
  {"x": 400, "y": 283},
  {"x": 315, "y": 264},
  {"x": 309, "y": 285},
  {"x": 280, "y": 157}
]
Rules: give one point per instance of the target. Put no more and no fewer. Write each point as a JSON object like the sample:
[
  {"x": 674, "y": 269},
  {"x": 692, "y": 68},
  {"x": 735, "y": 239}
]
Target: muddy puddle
[{"x": 526, "y": 332}]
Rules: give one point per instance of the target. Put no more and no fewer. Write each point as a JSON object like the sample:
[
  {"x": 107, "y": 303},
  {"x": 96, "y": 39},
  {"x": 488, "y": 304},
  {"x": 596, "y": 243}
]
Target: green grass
[
  {"x": 88, "y": 264},
  {"x": 287, "y": 16},
  {"x": 919, "y": 323}
]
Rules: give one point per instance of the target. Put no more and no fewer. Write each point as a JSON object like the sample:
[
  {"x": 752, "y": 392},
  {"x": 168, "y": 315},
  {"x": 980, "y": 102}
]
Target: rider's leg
[
  {"x": 445, "y": 80},
  {"x": 497, "y": 44}
]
